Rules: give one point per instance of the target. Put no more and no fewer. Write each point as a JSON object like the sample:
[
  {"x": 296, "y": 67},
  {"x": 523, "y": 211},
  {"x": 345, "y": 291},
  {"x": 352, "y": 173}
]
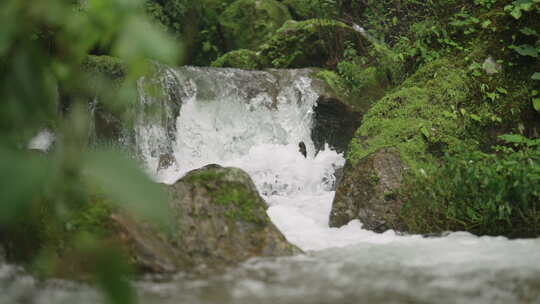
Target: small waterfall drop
[{"x": 252, "y": 120}]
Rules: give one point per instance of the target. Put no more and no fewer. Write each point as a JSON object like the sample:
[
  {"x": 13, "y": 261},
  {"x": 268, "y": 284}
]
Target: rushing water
[{"x": 255, "y": 120}]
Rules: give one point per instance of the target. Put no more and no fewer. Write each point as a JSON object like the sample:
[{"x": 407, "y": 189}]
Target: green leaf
[
  {"x": 525, "y": 50},
  {"x": 529, "y": 31},
  {"x": 126, "y": 184},
  {"x": 23, "y": 176},
  {"x": 502, "y": 90},
  {"x": 476, "y": 117},
  {"x": 425, "y": 131},
  {"x": 536, "y": 76},
  {"x": 513, "y": 138},
  {"x": 536, "y": 104}
]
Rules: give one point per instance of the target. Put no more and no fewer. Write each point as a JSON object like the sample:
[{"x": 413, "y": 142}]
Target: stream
[{"x": 255, "y": 121}]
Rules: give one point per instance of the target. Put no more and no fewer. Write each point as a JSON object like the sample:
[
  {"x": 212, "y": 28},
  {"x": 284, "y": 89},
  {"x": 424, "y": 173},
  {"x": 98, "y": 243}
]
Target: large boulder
[
  {"x": 218, "y": 219},
  {"x": 368, "y": 192},
  {"x": 309, "y": 43},
  {"x": 247, "y": 23}
]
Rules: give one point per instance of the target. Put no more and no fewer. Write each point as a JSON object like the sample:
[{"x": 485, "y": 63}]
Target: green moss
[
  {"x": 243, "y": 201},
  {"x": 247, "y": 23},
  {"x": 416, "y": 117},
  {"x": 334, "y": 82},
  {"x": 107, "y": 66},
  {"x": 240, "y": 59}
]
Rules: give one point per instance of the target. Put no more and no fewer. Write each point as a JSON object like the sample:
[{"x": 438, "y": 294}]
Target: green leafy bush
[
  {"x": 44, "y": 66},
  {"x": 487, "y": 194}
]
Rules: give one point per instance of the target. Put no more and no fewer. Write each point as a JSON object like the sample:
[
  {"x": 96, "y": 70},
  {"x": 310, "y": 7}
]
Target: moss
[
  {"x": 107, "y": 66},
  {"x": 306, "y": 44},
  {"x": 416, "y": 117},
  {"x": 240, "y": 59},
  {"x": 247, "y": 23},
  {"x": 243, "y": 201},
  {"x": 334, "y": 82}
]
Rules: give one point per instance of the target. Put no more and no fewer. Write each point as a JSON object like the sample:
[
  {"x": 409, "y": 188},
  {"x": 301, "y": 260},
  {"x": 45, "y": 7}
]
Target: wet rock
[
  {"x": 334, "y": 123},
  {"x": 218, "y": 220},
  {"x": 165, "y": 161},
  {"x": 221, "y": 219},
  {"x": 368, "y": 192}
]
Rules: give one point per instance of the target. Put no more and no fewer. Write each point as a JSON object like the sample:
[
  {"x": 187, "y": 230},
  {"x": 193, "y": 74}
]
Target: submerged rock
[
  {"x": 367, "y": 192},
  {"x": 218, "y": 219}
]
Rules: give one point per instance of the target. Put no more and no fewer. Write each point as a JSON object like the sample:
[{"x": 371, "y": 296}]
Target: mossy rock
[
  {"x": 367, "y": 192},
  {"x": 220, "y": 218},
  {"x": 408, "y": 128},
  {"x": 107, "y": 66},
  {"x": 247, "y": 23},
  {"x": 240, "y": 59},
  {"x": 307, "y": 43},
  {"x": 421, "y": 116}
]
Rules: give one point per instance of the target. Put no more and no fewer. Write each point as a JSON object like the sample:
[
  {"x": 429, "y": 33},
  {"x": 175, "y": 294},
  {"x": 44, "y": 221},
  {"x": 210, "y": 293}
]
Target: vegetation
[
  {"x": 441, "y": 81},
  {"x": 483, "y": 193},
  {"x": 55, "y": 205}
]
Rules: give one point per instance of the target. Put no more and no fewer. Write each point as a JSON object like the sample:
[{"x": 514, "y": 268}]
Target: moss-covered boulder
[
  {"x": 429, "y": 114},
  {"x": 218, "y": 219},
  {"x": 240, "y": 59},
  {"x": 221, "y": 219},
  {"x": 310, "y": 43},
  {"x": 368, "y": 192},
  {"x": 247, "y": 23}
]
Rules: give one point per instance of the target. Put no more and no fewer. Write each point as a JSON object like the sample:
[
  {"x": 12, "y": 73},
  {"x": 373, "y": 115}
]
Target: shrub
[{"x": 487, "y": 194}]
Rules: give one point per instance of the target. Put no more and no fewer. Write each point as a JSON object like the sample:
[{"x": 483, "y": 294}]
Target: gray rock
[
  {"x": 218, "y": 220},
  {"x": 368, "y": 192},
  {"x": 334, "y": 123}
]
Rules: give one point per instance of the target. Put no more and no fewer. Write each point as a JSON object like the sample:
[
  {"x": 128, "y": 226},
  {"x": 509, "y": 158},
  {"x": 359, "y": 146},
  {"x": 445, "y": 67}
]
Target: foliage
[
  {"x": 240, "y": 59},
  {"x": 301, "y": 44},
  {"x": 308, "y": 9},
  {"x": 483, "y": 193},
  {"x": 43, "y": 48},
  {"x": 195, "y": 23},
  {"x": 247, "y": 23}
]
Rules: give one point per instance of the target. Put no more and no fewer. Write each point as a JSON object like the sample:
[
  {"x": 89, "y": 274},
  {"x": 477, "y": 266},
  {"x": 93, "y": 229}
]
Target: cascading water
[{"x": 255, "y": 121}]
